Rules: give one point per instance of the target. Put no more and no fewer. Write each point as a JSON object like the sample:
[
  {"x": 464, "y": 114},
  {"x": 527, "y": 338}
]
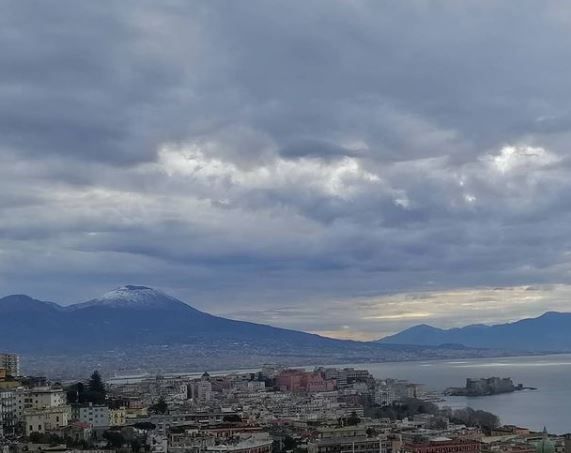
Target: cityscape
[
  {"x": 272, "y": 410},
  {"x": 285, "y": 226}
]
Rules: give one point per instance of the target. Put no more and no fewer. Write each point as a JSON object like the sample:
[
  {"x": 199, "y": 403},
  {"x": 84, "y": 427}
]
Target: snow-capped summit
[{"x": 132, "y": 296}]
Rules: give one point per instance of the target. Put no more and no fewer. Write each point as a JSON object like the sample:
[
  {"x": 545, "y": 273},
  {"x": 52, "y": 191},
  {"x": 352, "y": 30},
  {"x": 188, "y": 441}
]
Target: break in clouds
[{"x": 349, "y": 168}]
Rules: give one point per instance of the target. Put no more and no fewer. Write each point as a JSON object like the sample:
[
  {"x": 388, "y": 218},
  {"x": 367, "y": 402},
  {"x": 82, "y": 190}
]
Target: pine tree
[
  {"x": 96, "y": 383},
  {"x": 95, "y": 389}
]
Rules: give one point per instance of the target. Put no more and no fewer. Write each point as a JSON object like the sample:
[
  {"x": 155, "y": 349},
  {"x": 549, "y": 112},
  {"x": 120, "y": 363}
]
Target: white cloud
[{"x": 522, "y": 158}]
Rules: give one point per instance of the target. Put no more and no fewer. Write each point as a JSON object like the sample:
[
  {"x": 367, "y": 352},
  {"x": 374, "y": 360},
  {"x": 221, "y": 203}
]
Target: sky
[{"x": 346, "y": 167}]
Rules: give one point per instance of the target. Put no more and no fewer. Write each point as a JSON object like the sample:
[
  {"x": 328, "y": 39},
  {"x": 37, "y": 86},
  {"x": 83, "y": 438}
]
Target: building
[
  {"x": 11, "y": 363},
  {"x": 38, "y": 398},
  {"x": 117, "y": 417},
  {"x": 201, "y": 391},
  {"x": 491, "y": 385},
  {"x": 95, "y": 415},
  {"x": 443, "y": 446},
  {"x": 304, "y": 381},
  {"x": 351, "y": 444},
  {"x": 45, "y": 420},
  {"x": 8, "y": 418},
  {"x": 252, "y": 444}
]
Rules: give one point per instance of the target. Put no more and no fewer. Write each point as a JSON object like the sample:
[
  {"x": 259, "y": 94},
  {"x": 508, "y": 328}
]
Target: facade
[
  {"x": 491, "y": 385},
  {"x": 45, "y": 420},
  {"x": 201, "y": 391},
  {"x": 37, "y": 399},
  {"x": 8, "y": 417},
  {"x": 117, "y": 417},
  {"x": 444, "y": 446},
  {"x": 249, "y": 445},
  {"x": 11, "y": 363},
  {"x": 351, "y": 444},
  {"x": 304, "y": 381},
  {"x": 95, "y": 415}
]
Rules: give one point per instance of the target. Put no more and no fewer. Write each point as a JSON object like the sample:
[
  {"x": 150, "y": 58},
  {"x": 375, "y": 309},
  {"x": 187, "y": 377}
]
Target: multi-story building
[
  {"x": 96, "y": 415},
  {"x": 11, "y": 363},
  {"x": 8, "y": 418},
  {"x": 201, "y": 391},
  {"x": 443, "y": 446},
  {"x": 304, "y": 381},
  {"x": 117, "y": 417},
  {"x": 45, "y": 419},
  {"x": 251, "y": 444},
  {"x": 38, "y": 398},
  {"x": 361, "y": 444}
]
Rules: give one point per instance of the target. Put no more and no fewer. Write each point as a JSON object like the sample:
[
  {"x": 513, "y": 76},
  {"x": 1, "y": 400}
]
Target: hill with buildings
[{"x": 546, "y": 333}]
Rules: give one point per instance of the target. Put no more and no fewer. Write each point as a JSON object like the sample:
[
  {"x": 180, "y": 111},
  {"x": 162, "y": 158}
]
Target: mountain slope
[
  {"x": 134, "y": 316},
  {"x": 548, "y": 332},
  {"x": 136, "y": 327}
]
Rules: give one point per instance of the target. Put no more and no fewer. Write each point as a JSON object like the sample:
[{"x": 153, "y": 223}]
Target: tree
[
  {"x": 114, "y": 439},
  {"x": 160, "y": 407},
  {"x": 96, "y": 383},
  {"x": 145, "y": 426},
  {"x": 75, "y": 393},
  {"x": 95, "y": 390},
  {"x": 232, "y": 418},
  {"x": 135, "y": 445},
  {"x": 353, "y": 419}
]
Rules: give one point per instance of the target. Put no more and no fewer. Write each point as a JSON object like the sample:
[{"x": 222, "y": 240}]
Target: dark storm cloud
[{"x": 276, "y": 159}]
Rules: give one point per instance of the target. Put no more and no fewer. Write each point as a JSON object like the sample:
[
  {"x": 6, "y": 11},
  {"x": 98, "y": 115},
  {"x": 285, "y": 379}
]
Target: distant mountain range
[
  {"x": 128, "y": 316},
  {"x": 136, "y": 327},
  {"x": 550, "y": 332}
]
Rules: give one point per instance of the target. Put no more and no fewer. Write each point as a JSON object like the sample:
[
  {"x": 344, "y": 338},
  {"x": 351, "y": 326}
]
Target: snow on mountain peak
[{"x": 133, "y": 296}]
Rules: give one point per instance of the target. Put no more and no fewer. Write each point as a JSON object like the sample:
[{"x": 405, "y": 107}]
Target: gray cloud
[{"x": 269, "y": 157}]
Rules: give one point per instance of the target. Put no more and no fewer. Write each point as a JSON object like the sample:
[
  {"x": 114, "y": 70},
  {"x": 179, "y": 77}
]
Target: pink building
[{"x": 304, "y": 381}]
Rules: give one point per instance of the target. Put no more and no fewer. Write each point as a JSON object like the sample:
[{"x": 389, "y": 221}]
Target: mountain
[
  {"x": 548, "y": 332},
  {"x": 127, "y": 316},
  {"x": 139, "y": 327}
]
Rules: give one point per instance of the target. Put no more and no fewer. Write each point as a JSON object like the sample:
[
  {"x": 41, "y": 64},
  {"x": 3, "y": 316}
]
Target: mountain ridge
[{"x": 547, "y": 332}]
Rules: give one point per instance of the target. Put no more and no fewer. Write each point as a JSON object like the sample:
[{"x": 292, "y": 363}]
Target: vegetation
[
  {"x": 410, "y": 407},
  {"x": 94, "y": 392},
  {"x": 398, "y": 410},
  {"x": 146, "y": 426},
  {"x": 45, "y": 438},
  {"x": 160, "y": 407},
  {"x": 114, "y": 439},
  {"x": 352, "y": 420},
  {"x": 232, "y": 418},
  {"x": 470, "y": 417}
]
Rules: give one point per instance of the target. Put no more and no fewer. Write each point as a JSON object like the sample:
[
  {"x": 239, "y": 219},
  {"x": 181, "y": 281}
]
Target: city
[
  {"x": 285, "y": 226},
  {"x": 273, "y": 410}
]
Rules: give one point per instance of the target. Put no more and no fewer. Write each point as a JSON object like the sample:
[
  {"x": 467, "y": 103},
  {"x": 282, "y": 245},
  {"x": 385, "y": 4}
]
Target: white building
[
  {"x": 96, "y": 415},
  {"x": 201, "y": 391},
  {"x": 38, "y": 398}
]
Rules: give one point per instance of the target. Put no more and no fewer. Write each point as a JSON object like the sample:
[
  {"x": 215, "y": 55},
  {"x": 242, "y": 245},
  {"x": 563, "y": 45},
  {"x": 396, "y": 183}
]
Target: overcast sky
[{"x": 343, "y": 167}]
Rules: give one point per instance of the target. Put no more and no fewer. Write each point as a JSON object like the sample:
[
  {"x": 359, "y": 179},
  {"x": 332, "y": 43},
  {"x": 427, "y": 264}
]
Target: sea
[{"x": 549, "y": 406}]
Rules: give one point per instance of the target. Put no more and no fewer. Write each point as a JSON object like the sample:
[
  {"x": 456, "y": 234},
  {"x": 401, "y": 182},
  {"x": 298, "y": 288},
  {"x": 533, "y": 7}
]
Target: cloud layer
[{"x": 285, "y": 161}]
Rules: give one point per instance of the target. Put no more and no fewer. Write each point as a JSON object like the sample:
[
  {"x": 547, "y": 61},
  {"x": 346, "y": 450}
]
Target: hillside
[
  {"x": 549, "y": 332},
  {"x": 140, "y": 327}
]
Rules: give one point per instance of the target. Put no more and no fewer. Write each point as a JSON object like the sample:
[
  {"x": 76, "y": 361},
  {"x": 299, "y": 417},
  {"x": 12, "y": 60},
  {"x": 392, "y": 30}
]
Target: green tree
[
  {"x": 96, "y": 383},
  {"x": 114, "y": 439},
  {"x": 95, "y": 390},
  {"x": 160, "y": 407},
  {"x": 353, "y": 419},
  {"x": 232, "y": 418}
]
